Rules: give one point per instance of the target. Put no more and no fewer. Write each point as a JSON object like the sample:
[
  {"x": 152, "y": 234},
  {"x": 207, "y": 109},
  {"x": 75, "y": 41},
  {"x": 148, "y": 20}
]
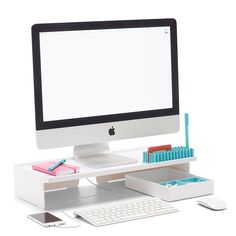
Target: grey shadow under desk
[{"x": 86, "y": 196}]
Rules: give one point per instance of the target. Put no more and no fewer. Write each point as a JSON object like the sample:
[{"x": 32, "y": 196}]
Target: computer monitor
[{"x": 96, "y": 82}]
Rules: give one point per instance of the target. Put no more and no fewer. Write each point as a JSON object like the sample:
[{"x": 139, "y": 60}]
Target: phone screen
[{"x": 45, "y": 217}]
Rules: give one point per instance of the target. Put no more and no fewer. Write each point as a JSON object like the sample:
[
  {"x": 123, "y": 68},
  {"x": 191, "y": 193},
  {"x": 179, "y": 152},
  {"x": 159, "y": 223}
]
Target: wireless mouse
[{"x": 213, "y": 204}]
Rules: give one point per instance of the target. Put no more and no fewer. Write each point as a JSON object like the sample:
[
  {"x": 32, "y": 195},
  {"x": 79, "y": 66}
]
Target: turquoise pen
[
  {"x": 186, "y": 129},
  {"x": 54, "y": 166}
]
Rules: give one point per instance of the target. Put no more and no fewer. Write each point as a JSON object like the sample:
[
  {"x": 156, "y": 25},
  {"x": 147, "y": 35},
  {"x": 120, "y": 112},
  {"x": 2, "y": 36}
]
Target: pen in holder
[{"x": 168, "y": 153}]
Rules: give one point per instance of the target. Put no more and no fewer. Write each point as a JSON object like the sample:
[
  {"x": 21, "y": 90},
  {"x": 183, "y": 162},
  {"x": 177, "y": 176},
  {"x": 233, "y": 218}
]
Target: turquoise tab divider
[
  {"x": 184, "y": 181},
  {"x": 173, "y": 154}
]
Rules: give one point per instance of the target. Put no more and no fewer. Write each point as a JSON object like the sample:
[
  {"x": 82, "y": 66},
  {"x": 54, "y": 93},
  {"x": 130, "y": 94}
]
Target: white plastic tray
[{"x": 154, "y": 183}]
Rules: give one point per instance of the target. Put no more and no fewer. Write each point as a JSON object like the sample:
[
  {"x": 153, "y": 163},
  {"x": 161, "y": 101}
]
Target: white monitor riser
[{"x": 32, "y": 186}]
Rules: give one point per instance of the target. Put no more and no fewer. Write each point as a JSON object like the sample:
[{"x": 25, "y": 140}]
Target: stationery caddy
[{"x": 169, "y": 184}]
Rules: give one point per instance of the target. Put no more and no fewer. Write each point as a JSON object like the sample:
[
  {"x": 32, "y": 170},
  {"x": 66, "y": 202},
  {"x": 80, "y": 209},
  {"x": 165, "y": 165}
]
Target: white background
[
  {"x": 207, "y": 49},
  {"x": 103, "y": 72}
]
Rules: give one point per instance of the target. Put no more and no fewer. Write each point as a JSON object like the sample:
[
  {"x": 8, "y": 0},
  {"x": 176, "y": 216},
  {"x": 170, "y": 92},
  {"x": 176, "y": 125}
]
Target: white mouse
[{"x": 213, "y": 204}]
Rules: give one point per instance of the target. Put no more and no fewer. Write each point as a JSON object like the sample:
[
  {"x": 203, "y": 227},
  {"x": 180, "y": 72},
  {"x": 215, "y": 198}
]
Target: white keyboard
[{"x": 116, "y": 212}]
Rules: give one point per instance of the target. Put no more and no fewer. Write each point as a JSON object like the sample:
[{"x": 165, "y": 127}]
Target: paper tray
[{"x": 169, "y": 184}]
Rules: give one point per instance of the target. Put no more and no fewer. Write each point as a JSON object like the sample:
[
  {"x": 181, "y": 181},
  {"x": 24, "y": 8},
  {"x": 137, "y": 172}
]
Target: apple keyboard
[{"x": 125, "y": 210}]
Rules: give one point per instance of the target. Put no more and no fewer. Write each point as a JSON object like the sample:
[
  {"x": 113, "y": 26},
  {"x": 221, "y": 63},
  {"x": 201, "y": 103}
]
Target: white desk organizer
[
  {"x": 169, "y": 184},
  {"x": 33, "y": 186}
]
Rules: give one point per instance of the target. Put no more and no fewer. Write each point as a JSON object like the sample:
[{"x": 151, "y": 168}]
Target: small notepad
[{"x": 63, "y": 169}]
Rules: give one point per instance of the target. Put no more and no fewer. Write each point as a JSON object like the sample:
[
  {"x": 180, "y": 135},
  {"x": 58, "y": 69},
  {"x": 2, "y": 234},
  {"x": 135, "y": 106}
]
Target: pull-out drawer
[{"x": 169, "y": 184}]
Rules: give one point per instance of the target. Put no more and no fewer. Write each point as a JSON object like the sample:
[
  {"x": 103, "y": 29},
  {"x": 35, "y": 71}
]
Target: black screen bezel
[{"x": 37, "y": 28}]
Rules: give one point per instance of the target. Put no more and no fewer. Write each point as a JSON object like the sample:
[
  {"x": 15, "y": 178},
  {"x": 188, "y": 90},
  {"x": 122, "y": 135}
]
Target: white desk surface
[{"x": 191, "y": 220}]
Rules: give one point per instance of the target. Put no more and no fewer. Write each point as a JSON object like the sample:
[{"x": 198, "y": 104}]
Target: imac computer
[{"x": 96, "y": 82}]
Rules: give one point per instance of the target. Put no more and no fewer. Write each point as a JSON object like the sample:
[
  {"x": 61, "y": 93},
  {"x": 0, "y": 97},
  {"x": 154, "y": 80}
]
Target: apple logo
[{"x": 111, "y": 131}]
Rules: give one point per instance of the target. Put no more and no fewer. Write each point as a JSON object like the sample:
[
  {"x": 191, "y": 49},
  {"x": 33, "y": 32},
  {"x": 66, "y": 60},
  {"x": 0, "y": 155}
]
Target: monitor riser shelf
[{"x": 32, "y": 186}]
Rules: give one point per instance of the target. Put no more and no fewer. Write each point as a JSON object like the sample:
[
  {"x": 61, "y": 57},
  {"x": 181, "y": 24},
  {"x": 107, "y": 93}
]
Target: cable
[
  {"x": 75, "y": 200},
  {"x": 70, "y": 226},
  {"x": 93, "y": 195},
  {"x": 110, "y": 190}
]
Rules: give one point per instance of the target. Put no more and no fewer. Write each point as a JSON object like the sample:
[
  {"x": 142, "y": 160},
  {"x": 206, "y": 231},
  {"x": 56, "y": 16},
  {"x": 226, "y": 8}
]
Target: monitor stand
[{"x": 99, "y": 156}]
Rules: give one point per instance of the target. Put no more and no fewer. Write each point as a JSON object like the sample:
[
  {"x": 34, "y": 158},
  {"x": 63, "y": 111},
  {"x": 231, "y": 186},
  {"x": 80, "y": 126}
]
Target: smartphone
[{"x": 46, "y": 219}]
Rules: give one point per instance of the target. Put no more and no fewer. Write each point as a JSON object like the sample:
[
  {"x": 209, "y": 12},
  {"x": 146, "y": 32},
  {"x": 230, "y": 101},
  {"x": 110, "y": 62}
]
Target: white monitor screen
[{"x": 87, "y": 73}]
